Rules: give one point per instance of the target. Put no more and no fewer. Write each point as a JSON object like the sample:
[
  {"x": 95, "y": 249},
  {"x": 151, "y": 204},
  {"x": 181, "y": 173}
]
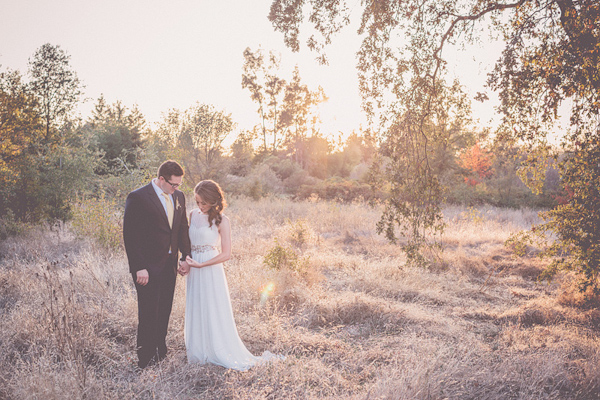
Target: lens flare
[{"x": 266, "y": 292}]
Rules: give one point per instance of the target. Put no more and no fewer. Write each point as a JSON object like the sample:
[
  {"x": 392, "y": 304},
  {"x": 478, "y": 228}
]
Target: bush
[
  {"x": 119, "y": 186},
  {"x": 281, "y": 257},
  {"x": 498, "y": 193},
  {"x": 99, "y": 219},
  {"x": 45, "y": 184},
  {"x": 576, "y": 224},
  {"x": 340, "y": 189},
  {"x": 283, "y": 168},
  {"x": 298, "y": 179},
  {"x": 360, "y": 172},
  {"x": 11, "y": 226},
  {"x": 519, "y": 243},
  {"x": 260, "y": 182},
  {"x": 300, "y": 232}
]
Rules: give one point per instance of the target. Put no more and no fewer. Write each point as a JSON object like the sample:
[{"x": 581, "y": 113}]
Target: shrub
[
  {"x": 255, "y": 190},
  {"x": 99, "y": 219},
  {"x": 42, "y": 186},
  {"x": 283, "y": 168},
  {"x": 281, "y": 257},
  {"x": 339, "y": 189},
  {"x": 298, "y": 179},
  {"x": 118, "y": 186},
  {"x": 11, "y": 226},
  {"x": 300, "y": 232},
  {"x": 261, "y": 181},
  {"x": 576, "y": 224},
  {"x": 473, "y": 215},
  {"x": 360, "y": 172},
  {"x": 519, "y": 242}
]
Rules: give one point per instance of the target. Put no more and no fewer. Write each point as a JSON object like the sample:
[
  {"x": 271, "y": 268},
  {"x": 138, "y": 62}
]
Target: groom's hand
[
  {"x": 142, "y": 277},
  {"x": 184, "y": 268}
]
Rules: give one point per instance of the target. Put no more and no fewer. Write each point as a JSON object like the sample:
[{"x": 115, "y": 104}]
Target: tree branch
[{"x": 492, "y": 8}]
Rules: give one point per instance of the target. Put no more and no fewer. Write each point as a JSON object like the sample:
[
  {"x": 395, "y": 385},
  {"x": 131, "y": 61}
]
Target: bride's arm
[{"x": 225, "y": 232}]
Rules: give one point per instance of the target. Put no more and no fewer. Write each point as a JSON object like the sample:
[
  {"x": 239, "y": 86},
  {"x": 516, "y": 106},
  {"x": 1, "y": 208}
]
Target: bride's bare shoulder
[{"x": 224, "y": 221}]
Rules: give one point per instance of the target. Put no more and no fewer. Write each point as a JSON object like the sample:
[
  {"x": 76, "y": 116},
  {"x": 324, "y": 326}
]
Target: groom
[{"x": 155, "y": 229}]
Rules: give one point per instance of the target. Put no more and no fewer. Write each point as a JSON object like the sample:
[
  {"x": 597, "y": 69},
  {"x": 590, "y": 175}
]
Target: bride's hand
[
  {"x": 191, "y": 262},
  {"x": 184, "y": 268}
]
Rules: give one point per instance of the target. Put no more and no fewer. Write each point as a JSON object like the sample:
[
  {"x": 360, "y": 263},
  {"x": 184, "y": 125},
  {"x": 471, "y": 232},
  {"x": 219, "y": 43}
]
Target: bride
[{"x": 210, "y": 331}]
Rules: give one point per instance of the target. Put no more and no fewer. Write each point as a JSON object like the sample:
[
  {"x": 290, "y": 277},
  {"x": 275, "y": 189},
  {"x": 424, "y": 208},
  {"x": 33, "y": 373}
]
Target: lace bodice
[{"x": 201, "y": 234}]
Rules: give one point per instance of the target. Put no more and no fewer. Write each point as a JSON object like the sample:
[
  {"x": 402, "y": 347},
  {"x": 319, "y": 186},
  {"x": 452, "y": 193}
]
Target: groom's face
[{"x": 169, "y": 185}]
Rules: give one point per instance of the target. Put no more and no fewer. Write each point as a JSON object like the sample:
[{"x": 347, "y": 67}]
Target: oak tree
[{"x": 551, "y": 57}]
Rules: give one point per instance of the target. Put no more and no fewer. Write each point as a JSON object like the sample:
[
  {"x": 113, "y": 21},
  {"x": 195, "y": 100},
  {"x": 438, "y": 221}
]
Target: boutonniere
[{"x": 177, "y": 205}]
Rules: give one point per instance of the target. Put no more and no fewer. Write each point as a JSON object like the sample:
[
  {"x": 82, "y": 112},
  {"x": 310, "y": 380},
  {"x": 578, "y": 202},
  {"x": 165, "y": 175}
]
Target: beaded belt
[{"x": 203, "y": 248}]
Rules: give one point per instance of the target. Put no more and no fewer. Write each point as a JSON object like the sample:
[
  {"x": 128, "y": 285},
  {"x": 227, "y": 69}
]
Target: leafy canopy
[{"x": 551, "y": 56}]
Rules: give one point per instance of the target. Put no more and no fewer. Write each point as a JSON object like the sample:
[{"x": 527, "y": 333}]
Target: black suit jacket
[{"x": 146, "y": 230}]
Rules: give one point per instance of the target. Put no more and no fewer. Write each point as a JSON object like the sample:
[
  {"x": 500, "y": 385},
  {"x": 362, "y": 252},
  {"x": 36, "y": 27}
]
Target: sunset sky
[{"x": 163, "y": 55}]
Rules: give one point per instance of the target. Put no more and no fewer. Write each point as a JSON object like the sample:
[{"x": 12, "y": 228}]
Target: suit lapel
[
  {"x": 156, "y": 201},
  {"x": 176, "y": 207}
]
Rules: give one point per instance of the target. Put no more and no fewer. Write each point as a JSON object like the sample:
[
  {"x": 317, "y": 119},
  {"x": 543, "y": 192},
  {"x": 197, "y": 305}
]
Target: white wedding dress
[{"x": 210, "y": 332}]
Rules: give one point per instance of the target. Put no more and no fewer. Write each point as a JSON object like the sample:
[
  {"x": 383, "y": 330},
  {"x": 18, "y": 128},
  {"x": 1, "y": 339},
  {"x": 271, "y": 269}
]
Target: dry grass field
[{"x": 352, "y": 321}]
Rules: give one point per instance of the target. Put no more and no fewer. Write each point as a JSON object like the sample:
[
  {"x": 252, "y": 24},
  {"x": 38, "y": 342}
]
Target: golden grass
[{"x": 354, "y": 323}]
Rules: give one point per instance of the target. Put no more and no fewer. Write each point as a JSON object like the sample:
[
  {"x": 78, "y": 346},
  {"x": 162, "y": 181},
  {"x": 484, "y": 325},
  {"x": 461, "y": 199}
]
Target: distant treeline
[{"x": 50, "y": 159}]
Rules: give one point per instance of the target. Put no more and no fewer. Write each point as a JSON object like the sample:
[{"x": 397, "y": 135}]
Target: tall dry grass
[{"x": 354, "y": 322}]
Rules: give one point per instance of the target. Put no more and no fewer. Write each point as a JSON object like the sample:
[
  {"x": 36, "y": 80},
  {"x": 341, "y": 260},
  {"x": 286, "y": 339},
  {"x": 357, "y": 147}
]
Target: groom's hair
[{"x": 169, "y": 168}]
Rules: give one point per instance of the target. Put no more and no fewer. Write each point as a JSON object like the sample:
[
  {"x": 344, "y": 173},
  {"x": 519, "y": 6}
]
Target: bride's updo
[{"x": 211, "y": 193}]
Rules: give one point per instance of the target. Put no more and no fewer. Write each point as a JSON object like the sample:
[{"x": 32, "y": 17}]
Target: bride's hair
[{"x": 211, "y": 192}]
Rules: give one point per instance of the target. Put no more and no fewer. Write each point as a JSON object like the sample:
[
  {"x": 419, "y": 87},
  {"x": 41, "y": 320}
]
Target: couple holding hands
[{"x": 155, "y": 231}]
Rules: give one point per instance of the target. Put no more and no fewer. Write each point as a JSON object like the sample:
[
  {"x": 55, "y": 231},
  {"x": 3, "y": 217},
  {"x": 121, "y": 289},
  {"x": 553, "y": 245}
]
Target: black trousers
[{"x": 155, "y": 301}]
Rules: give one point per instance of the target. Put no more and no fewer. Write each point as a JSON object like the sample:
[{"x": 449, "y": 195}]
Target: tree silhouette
[
  {"x": 298, "y": 104},
  {"x": 55, "y": 84},
  {"x": 197, "y": 135},
  {"x": 266, "y": 89},
  {"x": 118, "y": 132}
]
